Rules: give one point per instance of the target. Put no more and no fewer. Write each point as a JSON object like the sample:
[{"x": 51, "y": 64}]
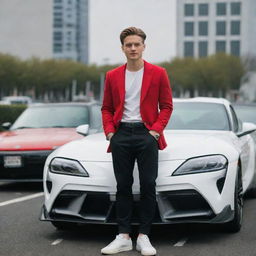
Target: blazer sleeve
[
  {"x": 165, "y": 104},
  {"x": 107, "y": 108}
]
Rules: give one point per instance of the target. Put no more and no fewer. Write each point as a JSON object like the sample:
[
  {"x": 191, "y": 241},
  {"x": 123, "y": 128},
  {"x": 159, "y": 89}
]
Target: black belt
[{"x": 132, "y": 124}]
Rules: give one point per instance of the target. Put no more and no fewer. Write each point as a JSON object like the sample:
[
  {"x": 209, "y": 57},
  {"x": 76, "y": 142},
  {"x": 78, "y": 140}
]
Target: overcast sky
[{"x": 109, "y": 17}]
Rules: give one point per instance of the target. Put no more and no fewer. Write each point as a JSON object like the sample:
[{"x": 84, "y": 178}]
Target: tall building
[
  {"x": 70, "y": 30},
  {"x": 206, "y": 27}
]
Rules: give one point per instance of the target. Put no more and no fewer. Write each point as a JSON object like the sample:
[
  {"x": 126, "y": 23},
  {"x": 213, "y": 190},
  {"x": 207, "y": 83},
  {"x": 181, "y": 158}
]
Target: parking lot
[{"x": 23, "y": 234}]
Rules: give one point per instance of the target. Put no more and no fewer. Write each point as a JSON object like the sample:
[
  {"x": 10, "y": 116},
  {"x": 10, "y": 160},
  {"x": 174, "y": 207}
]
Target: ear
[
  {"x": 144, "y": 47},
  {"x": 122, "y": 47}
]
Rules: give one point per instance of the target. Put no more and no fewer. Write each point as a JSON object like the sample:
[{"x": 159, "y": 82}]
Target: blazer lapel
[
  {"x": 121, "y": 83},
  {"x": 146, "y": 80}
]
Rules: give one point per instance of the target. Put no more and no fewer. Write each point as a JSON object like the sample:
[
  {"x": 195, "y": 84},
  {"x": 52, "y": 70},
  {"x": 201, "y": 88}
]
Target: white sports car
[{"x": 203, "y": 173}]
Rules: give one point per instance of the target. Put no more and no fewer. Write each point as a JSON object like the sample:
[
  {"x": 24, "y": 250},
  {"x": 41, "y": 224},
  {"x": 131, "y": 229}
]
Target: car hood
[
  {"x": 181, "y": 145},
  {"x": 36, "y": 138}
]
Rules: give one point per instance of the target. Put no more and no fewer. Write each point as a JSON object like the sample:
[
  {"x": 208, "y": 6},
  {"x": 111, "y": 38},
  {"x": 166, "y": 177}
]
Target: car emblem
[{"x": 17, "y": 146}]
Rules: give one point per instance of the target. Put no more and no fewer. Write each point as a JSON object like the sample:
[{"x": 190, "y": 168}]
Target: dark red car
[{"x": 39, "y": 130}]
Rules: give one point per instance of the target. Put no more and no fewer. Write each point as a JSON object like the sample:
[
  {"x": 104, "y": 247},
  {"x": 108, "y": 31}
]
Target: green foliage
[
  {"x": 9, "y": 113},
  {"x": 215, "y": 74}
]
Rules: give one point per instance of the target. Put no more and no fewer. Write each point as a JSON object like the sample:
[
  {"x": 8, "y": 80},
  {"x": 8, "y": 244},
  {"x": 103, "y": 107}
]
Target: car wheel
[
  {"x": 62, "y": 225},
  {"x": 235, "y": 225}
]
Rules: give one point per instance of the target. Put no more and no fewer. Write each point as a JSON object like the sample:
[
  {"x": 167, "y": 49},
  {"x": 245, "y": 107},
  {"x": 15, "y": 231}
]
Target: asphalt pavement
[{"x": 22, "y": 234}]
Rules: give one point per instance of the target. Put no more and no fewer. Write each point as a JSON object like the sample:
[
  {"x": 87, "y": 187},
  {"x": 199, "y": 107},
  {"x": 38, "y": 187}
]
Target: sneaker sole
[
  {"x": 144, "y": 254},
  {"x": 124, "y": 249}
]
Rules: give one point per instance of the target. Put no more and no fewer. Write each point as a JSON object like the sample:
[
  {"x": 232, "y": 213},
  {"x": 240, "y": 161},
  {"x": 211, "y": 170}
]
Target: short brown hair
[{"x": 132, "y": 31}]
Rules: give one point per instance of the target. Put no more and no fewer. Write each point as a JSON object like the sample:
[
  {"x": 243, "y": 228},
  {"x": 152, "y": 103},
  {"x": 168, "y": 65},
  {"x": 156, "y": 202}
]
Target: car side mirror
[
  {"x": 6, "y": 125},
  {"x": 246, "y": 129},
  {"x": 83, "y": 129}
]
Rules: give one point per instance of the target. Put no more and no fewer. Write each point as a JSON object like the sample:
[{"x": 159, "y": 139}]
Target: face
[{"x": 133, "y": 47}]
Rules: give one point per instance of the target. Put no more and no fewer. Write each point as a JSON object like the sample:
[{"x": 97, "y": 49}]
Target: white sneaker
[
  {"x": 144, "y": 246},
  {"x": 120, "y": 244}
]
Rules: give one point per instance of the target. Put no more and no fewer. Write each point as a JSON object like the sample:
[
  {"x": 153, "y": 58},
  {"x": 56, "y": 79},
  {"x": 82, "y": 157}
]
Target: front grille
[
  {"x": 32, "y": 165},
  {"x": 88, "y": 207},
  {"x": 183, "y": 205}
]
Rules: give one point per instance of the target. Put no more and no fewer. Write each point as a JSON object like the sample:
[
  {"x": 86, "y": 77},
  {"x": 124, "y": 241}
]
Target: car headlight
[
  {"x": 202, "y": 164},
  {"x": 67, "y": 166}
]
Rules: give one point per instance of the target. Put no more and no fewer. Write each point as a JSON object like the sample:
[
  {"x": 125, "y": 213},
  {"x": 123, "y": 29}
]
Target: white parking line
[
  {"x": 181, "y": 242},
  {"x": 58, "y": 241},
  {"x": 21, "y": 199}
]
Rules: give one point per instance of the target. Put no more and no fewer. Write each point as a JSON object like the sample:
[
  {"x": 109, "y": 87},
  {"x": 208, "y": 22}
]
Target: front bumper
[
  {"x": 184, "y": 206},
  {"x": 31, "y": 168},
  {"x": 196, "y": 198}
]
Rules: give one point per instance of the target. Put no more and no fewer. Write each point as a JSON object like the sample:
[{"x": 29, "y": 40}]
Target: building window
[
  {"x": 203, "y": 49},
  {"x": 235, "y": 27},
  {"x": 57, "y": 1},
  {"x": 57, "y": 47},
  {"x": 189, "y": 10},
  {"x": 236, "y": 8},
  {"x": 220, "y": 46},
  {"x": 57, "y": 36},
  {"x": 189, "y": 28},
  {"x": 57, "y": 50},
  {"x": 57, "y": 14},
  {"x": 203, "y": 28},
  {"x": 189, "y": 49},
  {"x": 235, "y": 48},
  {"x": 57, "y": 7},
  {"x": 220, "y": 28},
  {"x": 221, "y": 9},
  {"x": 203, "y": 9},
  {"x": 69, "y": 25}
]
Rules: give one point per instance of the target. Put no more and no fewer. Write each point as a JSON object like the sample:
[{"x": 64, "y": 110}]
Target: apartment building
[
  {"x": 70, "y": 30},
  {"x": 206, "y": 27}
]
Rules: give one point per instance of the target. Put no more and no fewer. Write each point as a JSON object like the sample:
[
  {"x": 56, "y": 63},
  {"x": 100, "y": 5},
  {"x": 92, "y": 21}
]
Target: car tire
[
  {"x": 235, "y": 225},
  {"x": 62, "y": 225}
]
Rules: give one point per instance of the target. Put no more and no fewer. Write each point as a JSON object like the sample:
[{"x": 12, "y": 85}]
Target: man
[{"x": 133, "y": 95}]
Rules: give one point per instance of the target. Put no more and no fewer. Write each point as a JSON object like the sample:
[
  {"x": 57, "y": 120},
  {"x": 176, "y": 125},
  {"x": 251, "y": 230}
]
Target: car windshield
[
  {"x": 246, "y": 113},
  {"x": 198, "y": 116},
  {"x": 52, "y": 116}
]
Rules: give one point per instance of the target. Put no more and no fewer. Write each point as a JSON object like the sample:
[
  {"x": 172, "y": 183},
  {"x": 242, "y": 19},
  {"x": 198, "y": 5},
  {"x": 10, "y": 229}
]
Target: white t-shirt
[{"x": 133, "y": 83}]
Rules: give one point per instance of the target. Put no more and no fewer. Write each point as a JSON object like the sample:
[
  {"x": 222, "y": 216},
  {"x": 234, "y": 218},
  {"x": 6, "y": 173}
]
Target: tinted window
[
  {"x": 95, "y": 117},
  {"x": 236, "y": 8},
  {"x": 189, "y": 10},
  {"x": 220, "y": 28},
  {"x": 199, "y": 116},
  {"x": 203, "y": 28},
  {"x": 203, "y": 9},
  {"x": 189, "y": 49},
  {"x": 235, "y": 48},
  {"x": 221, "y": 9},
  {"x": 235, "y": 27},
  {"x": 220, "y": 46},
  {"x": 53, "y": 116},
  {"x": 203, "y": 48},
  {"x": 189, "y": 28}
]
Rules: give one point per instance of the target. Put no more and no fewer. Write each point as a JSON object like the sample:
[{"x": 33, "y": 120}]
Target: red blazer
[{"x": 156, "y": 95}]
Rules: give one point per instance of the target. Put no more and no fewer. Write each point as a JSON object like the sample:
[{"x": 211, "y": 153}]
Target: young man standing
[{"x": 133, "y": 95}]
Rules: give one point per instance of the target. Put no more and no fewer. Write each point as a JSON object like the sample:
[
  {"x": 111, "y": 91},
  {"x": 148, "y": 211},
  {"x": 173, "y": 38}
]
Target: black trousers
[{"x": 134, "y": 142}]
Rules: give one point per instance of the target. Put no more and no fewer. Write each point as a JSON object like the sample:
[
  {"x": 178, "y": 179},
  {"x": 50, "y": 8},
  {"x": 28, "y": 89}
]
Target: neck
[{"x": 135, "y": 65}]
